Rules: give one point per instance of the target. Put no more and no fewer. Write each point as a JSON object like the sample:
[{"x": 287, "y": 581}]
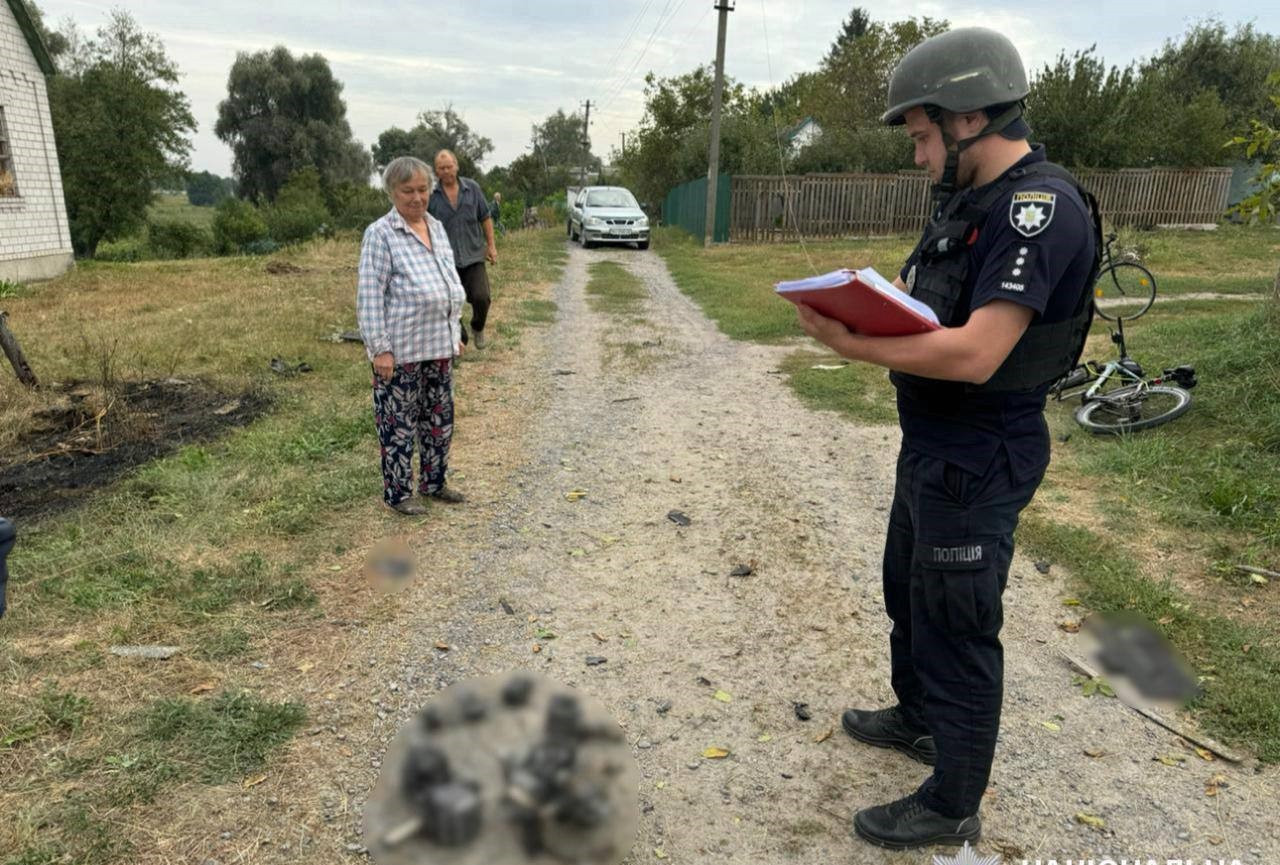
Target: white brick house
[{"x": 35, "y": 241}]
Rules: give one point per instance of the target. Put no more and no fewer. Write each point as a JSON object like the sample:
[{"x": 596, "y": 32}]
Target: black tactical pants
[{"x": 946, "y": 562}]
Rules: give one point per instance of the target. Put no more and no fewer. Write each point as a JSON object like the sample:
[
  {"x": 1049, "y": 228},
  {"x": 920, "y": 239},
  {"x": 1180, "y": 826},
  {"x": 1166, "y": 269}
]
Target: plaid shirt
[{"x": 408, "y": 298}]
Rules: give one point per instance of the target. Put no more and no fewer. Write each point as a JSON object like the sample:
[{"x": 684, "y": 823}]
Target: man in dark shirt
[
  {"x": 1006, "y": 261},
  {"x": 460, "y": 205}
]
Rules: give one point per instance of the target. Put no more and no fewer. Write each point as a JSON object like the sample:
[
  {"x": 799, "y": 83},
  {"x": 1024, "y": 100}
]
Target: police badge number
[{"x": 1030, "y": 212}]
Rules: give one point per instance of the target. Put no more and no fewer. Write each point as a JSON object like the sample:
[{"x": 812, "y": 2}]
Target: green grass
[
  {"x": 212, "y": 548},
  {"x": 170, "y": 208},
  {"x": 858, "y": 391},
  {"x": 1236, "y": 661},
  {"x": 734, "y": 284},
  {"x": 1213, "y": 470},
  {"x": 223, "y": 738},
  {"x": 611, "y": 288},
  {"x": 1208, "y": 479}
]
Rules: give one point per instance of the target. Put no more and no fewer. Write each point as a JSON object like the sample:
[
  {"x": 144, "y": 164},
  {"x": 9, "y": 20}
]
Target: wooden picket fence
[{"x": 765, "y": 209}]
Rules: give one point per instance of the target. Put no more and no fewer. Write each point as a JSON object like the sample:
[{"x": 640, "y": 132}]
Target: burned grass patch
[{"x": 86, "y": 437}]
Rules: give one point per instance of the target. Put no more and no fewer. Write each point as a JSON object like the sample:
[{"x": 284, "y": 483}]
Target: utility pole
[
  {"x": 713, "y": 169},
  {"x": 586, "y": 145},
  {"x": 624, "y": 143}
]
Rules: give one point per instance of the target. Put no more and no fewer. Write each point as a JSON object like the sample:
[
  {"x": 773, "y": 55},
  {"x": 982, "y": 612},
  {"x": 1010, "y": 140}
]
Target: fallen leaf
[
  {"x": 824, "y": 735},
  {"x": 1170, "y": 759},
  {"x": 1090, "y": 820},
  {"x": 575, "y": 495},
  {"x": 577, "y": 552},
  {"x": 304, "y": 666},
  {"x": 1215, "y": 785},
  {"x": 1071, "y": 626},
  {"x": 675, "y": 479},
  {"x": 536, "y": 648},
  {"x": 765, "y": 737},
  {"x": 714, "y": 753},
  {"x": 1204, "y": 754},
  {"x": 203, "y": 688},
  {"x": 657, "y": 852},
  {"x": 442, "y": 645},
  {"x": 679, "y": 518},
  {"x": 1049, "y": 725},
  {"x": 1164, "y": 620},
  {"x": 1258, "y": 579},
  {"x": 1246, "y": 648},
  {"x": 723, "y": 696},
  {"x": 1070, "y": 602},
  {"x": 741, "y": 571},
  {"x": 599, "y": 636},
  {"x": 1094, "y": 752},
  {"x": 335, "y": 567},
  {"x": 660, "y": 784},
  {"x": 253, "y": 782},
  {"x": 544, "y": 634},
  {"x": 1215, "y": 840}
]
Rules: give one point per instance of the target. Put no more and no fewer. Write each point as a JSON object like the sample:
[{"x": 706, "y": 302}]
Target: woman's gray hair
[{"x": 402, "y": 169}]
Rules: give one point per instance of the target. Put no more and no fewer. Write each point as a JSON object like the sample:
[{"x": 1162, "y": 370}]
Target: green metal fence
[{"x": 686, "y": 206}]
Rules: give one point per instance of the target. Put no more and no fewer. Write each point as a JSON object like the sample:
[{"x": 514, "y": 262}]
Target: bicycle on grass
[{"x": 1116, "y": 397}]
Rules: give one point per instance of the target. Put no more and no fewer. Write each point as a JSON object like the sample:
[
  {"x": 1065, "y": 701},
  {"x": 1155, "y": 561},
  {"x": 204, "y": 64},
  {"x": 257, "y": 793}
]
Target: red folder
[{"x": 864, "y": 301}]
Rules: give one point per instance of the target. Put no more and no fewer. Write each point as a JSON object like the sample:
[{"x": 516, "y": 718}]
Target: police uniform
[{"x": 972, "y": 456}]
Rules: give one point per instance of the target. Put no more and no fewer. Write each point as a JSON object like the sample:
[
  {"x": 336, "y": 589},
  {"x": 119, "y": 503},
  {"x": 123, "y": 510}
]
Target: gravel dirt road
[{"x": 646, "y": 417}]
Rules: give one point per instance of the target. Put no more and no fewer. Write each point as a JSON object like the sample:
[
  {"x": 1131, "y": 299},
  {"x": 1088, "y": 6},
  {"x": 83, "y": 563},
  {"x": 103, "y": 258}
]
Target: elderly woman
[{"x": 409, "y": 308}]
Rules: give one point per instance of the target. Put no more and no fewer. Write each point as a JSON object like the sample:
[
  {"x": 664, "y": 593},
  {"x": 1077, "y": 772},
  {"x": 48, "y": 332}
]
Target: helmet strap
[{"x": 946, "y": 187}]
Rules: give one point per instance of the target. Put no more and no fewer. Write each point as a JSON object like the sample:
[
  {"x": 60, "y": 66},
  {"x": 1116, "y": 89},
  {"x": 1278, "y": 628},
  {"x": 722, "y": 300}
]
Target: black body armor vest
[{"x": 1045, "y": 351}]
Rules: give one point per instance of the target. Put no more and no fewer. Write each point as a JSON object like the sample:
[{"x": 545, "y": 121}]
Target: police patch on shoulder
[{"x": 1030, "y": 212}]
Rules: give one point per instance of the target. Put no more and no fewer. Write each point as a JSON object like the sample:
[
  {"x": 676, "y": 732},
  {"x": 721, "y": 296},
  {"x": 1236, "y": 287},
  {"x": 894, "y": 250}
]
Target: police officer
[{"x": 1006, "y": 262}]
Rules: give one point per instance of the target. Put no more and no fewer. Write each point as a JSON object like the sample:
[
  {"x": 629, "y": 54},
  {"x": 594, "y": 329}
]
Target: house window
[{"x": 8, "y": 179}]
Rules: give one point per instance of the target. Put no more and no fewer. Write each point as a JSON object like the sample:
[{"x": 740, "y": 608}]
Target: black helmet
[{"x": 961, "y": 70}]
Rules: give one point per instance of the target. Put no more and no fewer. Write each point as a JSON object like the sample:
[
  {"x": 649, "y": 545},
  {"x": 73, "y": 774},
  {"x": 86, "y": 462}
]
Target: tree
[
  {"x": 853, "y": 29},
  {"x": 121, "y": 128},
  {"x": 283, "y": 114},
  {"x": 206, "y": 189},
  {"x": 1262, "y": 143},
  {"x": 55, "y": 42},
  {"x": 435, "y": 131},
  {"x": 1089, "y": 115},
  {"x": 1232, "y": 65},
  {"x": 560, "y": 141}
]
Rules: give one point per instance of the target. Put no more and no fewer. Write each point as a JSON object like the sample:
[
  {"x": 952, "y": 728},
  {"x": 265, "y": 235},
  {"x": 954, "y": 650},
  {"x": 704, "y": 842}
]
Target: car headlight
[
  {"x": 642, "y": 222},
  {"x": 595, "y": 221}
]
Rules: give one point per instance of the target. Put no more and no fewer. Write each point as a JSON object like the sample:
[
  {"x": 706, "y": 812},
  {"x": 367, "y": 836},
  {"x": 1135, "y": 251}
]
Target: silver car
[{"x": 607, "y": 214}]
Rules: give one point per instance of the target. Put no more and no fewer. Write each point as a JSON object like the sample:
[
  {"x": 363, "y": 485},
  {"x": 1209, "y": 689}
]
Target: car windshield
[{"x": 610, "y": 198}]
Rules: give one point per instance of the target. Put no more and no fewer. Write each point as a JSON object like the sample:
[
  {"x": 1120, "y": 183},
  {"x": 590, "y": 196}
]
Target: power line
[
  {"x": 777, "y": 137},
  {"x": 653, "y": 35},
  {"x": 622, "y": 46}
]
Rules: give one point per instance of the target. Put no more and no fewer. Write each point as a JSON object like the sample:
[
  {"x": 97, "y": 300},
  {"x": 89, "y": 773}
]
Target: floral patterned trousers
[{"x": 416, "y": 404}]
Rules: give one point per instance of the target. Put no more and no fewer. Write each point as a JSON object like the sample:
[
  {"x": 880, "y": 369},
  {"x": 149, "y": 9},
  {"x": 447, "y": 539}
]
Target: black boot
[
  {"x": 886, "y": 728},
  {"x": 909, "y": 823}
]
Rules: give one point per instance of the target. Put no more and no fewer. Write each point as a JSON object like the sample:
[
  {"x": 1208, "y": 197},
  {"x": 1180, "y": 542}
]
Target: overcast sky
[{"x": 507, "y": 65}]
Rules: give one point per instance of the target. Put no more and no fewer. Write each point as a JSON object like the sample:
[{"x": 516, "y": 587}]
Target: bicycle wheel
[
  {"x": 1132, "y": 408},
  {"x": 1124, "y": 290}
]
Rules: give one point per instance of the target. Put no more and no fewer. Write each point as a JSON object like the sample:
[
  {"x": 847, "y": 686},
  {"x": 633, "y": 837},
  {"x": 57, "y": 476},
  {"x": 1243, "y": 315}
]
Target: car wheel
[{"x": 644, "y": 244}]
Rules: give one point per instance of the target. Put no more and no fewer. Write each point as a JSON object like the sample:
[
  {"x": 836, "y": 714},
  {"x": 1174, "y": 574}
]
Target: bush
[
  {"x": 237, "y": 225},
  {"x": 299, "y": 211},
  {"x": 177, "y": 238},
  {"x": 125, "y": 249},
  {"x": 354, "y": 206},
  {"x": 264, "y": 246},
  {"x": 294, "y": 224},
  {"x": 511, "y": 214}
]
